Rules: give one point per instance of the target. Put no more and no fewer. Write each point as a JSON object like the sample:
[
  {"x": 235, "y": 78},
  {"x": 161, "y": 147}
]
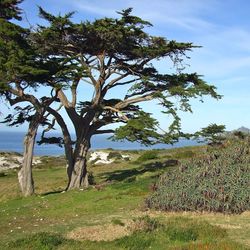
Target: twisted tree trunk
[
  {"x": 78, "y": 175},
  {"x": 25, "y": 176}
]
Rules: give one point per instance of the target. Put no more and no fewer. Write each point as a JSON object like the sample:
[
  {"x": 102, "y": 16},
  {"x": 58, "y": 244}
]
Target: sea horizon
[{"x": 12, "y": 141}]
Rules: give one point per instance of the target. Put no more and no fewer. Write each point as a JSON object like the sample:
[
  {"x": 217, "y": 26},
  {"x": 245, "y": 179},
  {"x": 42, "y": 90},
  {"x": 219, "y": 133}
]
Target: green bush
[
  {"x": 148, "y": 155},
  {"x": 217, "y": 182}
]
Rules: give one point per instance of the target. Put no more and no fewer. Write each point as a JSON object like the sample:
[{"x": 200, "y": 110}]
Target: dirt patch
[{"x": 108, "y": 232}]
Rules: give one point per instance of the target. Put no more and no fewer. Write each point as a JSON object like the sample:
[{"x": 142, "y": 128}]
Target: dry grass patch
[{"x": 107, "y": 232}]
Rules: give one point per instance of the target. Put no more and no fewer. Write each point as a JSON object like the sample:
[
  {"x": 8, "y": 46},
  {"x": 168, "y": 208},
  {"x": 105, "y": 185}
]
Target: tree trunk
[
  {"x": 69, "y": 158},
  {"x": 25, "y": 176},
  {"x": 67, "y": 143},
  {"x": 78, "y": 174}
]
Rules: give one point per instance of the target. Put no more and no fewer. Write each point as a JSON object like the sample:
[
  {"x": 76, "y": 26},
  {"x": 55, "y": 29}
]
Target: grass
[{"x": 44, "y": 221}]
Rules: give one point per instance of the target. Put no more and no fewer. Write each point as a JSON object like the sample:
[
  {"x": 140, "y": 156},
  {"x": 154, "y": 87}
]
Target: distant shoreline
[{"x": 13, "y": 142}]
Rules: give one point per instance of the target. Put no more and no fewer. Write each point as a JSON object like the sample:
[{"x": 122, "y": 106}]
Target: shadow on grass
[
  {"x": 3, "y": 174},
  {"x": 121, "y": 175},
  {"x": 53, "y": 192}
]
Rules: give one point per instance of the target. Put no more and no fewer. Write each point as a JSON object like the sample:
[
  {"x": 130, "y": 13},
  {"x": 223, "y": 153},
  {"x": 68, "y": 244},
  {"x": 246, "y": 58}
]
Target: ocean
[{"x": 13, "y": 142}]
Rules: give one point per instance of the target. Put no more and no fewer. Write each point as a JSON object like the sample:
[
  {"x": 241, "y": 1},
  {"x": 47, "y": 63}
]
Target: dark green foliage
[
  {"x": 142, "y": 128},
  {"x": 212, "y": 133},
  {"x": 51, "y": 140},
  {"x": 9, "y": 9},
  {"x": 217, "y": 182},
  {"x": 148, "y": 155}
]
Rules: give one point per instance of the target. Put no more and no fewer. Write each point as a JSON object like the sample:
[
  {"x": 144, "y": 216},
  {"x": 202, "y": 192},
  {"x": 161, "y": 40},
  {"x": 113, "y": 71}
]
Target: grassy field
[{"x": 111, "y": 214}]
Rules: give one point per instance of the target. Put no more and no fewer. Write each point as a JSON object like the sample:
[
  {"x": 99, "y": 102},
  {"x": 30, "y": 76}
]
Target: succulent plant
[{"x": 219, "y": 181}]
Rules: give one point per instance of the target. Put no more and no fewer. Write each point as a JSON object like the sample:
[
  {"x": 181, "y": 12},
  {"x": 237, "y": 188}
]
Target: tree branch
[
  {"x": 127, "y": 102},
  {"x": 74, "y": 92},
  {"x": 117, "y": 111},
  {"x": 103, "y": 131}
]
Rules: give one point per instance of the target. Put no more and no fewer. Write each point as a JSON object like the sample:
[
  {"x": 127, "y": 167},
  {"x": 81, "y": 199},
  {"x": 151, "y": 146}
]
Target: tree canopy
[{"x": 110, "y": 53}]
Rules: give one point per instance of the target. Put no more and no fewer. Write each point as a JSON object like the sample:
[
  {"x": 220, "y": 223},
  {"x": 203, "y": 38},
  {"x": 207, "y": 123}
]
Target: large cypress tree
[{"x": 111, "y": 54}]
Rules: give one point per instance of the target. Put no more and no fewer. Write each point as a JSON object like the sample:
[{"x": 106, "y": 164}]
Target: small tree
[
  {"x": 213, "y": 134},
  {"x": 109, "y": 54}
]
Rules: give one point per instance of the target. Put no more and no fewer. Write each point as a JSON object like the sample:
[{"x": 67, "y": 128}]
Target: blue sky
[{"x": 220, "y": 27}]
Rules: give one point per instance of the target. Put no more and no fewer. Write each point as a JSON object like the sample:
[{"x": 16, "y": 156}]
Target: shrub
[
  {"x": 146, "y": 224},
  {"x": 114, "y": 155},
  {"x": 217, "y": 182},
  {"x": 148, "y": 155}
]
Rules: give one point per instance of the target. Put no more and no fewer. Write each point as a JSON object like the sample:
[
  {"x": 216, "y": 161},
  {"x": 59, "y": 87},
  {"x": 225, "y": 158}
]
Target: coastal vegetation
[
  {"x": 112, "y": 213},
  {"x": 218, "y": 181}
]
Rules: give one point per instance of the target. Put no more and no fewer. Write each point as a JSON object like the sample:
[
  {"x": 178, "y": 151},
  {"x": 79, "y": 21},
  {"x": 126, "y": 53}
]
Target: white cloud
[{"x": 185, "y": 14}]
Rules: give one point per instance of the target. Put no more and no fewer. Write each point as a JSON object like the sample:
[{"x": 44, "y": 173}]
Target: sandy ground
[{"x": 14, "y": 161}]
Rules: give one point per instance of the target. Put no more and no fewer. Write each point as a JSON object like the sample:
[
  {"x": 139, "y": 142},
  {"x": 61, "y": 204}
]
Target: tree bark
[
  {"x": 78, "y": 175},
  {"x": 25, "y": 176},
  {"x": 67, "y": 143}
]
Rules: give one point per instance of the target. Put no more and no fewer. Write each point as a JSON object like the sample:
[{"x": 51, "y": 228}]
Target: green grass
[{"x": 44, "y": 221}]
